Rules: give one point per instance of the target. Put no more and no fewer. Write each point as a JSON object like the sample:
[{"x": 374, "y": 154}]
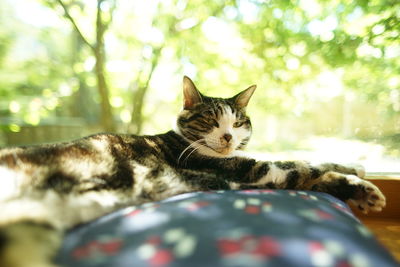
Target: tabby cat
[{"x": 47, "y": 189}]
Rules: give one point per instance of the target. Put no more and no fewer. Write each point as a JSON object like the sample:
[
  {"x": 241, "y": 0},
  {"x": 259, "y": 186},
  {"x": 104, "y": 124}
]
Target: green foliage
[{"x": 305, "y": 56}]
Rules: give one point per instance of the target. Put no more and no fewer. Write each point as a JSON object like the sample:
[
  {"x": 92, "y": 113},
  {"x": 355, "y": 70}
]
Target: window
[{"x": 327, "y": 71}]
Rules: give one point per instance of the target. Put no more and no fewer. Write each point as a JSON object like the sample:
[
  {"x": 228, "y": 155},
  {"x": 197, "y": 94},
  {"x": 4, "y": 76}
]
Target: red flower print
[
  {"x": 80, "y": 253},
  {"x": 250, "y": 191},
  {"x": 251, "y": 209},
  {"x": 316, "y": 246},
  {"x": 341, "y": 208},
  {"x": 85, "y": 251},
  {"x": 324, "y": 215},
  {"x": 134, "y": 213},
  {"x": 112, "y": 247},
  {"x": 228, "y": 247},
  {"x": 267, "y": 247},
  {"x": 107, "y": 248},
  {"x": 161, "y": 258},
  {"x": 343, "y": 264},
  {"x": 197, "y": 205},
  {"x": 259, "y": 247}
]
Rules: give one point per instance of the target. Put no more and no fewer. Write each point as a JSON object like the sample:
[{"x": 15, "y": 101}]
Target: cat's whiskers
[
  {"x": 192, "y": 145},
  {"x": 191, "y": 152}
]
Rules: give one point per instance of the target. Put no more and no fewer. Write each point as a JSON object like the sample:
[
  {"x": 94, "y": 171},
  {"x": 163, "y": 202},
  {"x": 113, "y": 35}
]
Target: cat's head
[{"x": 214, "y": 126}]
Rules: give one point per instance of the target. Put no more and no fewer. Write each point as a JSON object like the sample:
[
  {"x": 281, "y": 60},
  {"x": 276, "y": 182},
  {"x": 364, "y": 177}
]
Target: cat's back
[
  {"x": 92, "y": 147},
  {"x": 133, "y": 147},
  {"x": 106, "y": 158},
  {"x": 61, "y": 163}
]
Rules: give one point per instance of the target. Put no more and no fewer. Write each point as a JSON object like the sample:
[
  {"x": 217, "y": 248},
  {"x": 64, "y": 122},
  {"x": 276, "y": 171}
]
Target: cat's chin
[
  {"x": 216, "y": 152},
  {"x": 226, "y": 151}
]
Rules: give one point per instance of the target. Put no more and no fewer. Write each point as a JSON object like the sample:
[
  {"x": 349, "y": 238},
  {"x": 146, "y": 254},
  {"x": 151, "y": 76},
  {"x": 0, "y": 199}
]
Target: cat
[{"x": 47, "y": 189}]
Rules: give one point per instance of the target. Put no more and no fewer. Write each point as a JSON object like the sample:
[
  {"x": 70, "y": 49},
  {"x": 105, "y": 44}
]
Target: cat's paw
[{"x": 368, "y": 197}]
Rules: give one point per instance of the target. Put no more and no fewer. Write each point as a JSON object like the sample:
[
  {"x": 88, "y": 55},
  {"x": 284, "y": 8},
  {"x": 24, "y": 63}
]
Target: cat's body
[{"x": 47, "y": 189}]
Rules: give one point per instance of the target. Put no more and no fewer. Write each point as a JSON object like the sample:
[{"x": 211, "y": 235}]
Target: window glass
[{"x": 327, "y": 71}]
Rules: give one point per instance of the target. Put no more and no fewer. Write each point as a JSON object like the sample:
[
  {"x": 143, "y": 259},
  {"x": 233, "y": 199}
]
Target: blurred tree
[
  {"x": 98, "y": 49},
  {"x": 319, "y": 64},
  {"x": 175, "y": 38}
]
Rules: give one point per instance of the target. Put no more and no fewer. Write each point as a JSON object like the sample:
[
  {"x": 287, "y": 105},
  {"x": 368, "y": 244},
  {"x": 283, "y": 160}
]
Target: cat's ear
[
  {"x": 243, "y": 98},
  {"x": 191, "y": 96}
]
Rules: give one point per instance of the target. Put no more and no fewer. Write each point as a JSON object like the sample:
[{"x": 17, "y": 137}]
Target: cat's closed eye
[{"x": 238, "y": 124}]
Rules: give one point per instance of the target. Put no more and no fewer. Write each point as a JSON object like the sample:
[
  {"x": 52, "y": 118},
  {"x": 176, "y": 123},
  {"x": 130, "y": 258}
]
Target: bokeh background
[{"x": 328, "y": 72}]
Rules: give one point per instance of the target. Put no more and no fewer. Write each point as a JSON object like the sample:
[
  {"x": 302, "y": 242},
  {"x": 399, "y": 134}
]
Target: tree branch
[
  {"x": 111, "y": 14},
  {"x": 71, "y": 19},
  {"x": 139, "y": 94}
]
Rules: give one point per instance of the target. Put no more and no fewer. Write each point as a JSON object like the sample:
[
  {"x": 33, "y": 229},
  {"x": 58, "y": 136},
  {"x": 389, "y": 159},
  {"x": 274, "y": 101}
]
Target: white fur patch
[
  {"x": 140, "y": 172},
  {"x": 175, "y": 186},
  {"x": 275, "y": 175},
  {"x": 100, "y": 145},
  {"x": 87, "y": 167},
  {"x": 27, "y": 208},
  {"x": 353, "y": 179},
  {"x": 150, "y": 143},
  {"x": 9, "y": 183},
  {"x": 88, "y": 206},
  {"x": 233, "y": 185},
  {"x": 359, "y": 169},
  {"x": 63, "y": 211}
]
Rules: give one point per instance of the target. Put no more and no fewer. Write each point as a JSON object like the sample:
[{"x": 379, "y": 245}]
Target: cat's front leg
[
  {"x": 355, "y": 169},
  {"x": 361, "y": 193},
  {"x": 338, "y": 180}
]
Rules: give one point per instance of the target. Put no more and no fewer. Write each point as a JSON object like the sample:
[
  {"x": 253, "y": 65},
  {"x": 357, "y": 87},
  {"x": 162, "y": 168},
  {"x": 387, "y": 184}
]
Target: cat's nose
[{"x": 227, "y": 137}]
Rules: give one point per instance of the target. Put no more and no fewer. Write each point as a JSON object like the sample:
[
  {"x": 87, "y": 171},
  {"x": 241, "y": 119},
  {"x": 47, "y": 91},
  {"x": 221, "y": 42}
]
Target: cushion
[{"x": 228, "y": 228}]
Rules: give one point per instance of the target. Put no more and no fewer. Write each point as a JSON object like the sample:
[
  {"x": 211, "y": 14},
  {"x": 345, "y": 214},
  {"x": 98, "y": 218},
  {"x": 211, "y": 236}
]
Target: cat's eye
[{"x": 238, "y": 124}]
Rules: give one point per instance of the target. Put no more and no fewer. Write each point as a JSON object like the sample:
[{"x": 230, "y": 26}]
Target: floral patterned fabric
[{"x": 228, "y": 228}]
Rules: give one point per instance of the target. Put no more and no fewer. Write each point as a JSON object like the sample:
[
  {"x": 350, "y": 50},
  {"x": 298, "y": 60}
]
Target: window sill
[{"x": 383, "y": 175}]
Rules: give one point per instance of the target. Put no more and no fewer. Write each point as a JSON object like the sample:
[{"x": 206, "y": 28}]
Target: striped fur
[{"x": 48, "y": 189}]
